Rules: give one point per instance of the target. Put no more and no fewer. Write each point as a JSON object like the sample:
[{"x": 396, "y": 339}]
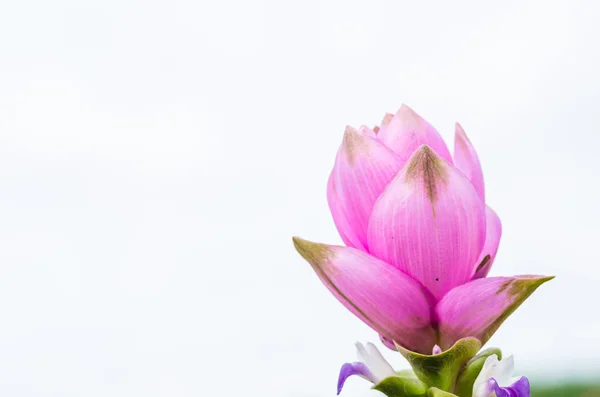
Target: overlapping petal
[
  {"x": 407, "y": 131},
  {"x": 336, "y": 206},
  {"x": 496, "y": 379},
  {"x": 420, "y": 242},
  {"x": 479, "y": 307},
  {"x": 362, "y": 169},
  {"x": 384, "y": 123},
  {"x": 466, "y": 160},
  {"x": 386, "y": 299},
  {"x": 366, "y": 131},
  {"x": 429, "y": 222},
  {"x": 493, "y": 232}
]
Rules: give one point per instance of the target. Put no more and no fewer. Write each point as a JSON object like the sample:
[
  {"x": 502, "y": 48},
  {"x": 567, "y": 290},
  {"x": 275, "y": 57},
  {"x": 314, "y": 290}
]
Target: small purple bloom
[
  {"x": 371, "y": 366},
  {"x": 350, "y": 369},
  {"x": 519, "y": 388},
  {"x": 496, "y": 380}
]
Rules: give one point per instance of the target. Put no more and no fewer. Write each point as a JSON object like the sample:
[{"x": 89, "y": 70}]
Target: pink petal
[
  {"x": 384, "y": 298},
  {"x": 466, "y": 160},
  {"x": 493, "y": 232},
  {"x": 336, "y": 206},
  {"x": 429, "y": 222},
  {"x": 479, "y": 307},
  {"x": 407, "y": 131},
  {"x": 385, "y": 122},
  {"x": 363, "y": 167},
  {"x": 366, "y": 131}
]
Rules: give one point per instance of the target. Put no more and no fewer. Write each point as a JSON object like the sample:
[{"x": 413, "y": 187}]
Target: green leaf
[
  {"x": 435, "y": 392},
  {"x": 464, "y": 383},
  {"x": 402, "y": 386},
  {"x": 441, "y": 370}
]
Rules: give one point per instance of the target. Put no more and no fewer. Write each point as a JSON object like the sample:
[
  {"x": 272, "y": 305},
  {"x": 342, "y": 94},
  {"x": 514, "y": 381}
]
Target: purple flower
[
  {"x": 496, "y": 380},
  {"x": 371, "y": 366},
  {"x": 520, "y": 388}
]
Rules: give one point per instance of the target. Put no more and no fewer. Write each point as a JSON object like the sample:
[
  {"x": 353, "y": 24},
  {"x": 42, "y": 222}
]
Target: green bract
[
  {"x": 435, "y": 392},
  {"x": 451, "y": 373},
  {"x": 464, "y": 384},
  {"x": 402, "y": 386},
  {"x": 441, "y": 370}
]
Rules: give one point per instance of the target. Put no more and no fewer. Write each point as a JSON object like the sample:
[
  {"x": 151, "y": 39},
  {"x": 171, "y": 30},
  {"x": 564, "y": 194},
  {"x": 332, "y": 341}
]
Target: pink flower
[{"x": 419, "y": 238}]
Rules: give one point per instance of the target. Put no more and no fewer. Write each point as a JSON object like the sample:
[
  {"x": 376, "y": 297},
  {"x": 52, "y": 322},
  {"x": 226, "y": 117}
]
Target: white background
[{"x": 157, "y": 156}]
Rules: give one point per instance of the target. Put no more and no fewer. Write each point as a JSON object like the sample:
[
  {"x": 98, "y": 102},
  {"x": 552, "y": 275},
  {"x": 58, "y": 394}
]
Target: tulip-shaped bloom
[
  {"x": 419, "y": 238},
  {"x": 496, "y": 380}
]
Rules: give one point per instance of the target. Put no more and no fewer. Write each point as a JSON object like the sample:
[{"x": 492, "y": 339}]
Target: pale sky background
[{"x": 157, "y": 156}]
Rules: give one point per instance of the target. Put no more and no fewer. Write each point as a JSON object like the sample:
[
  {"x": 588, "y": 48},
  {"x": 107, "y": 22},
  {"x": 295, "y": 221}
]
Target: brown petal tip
[
  {"x": 426, "y": 167},
  {"x": 353, "y": 144},
  {"x": 315, "y": 253},
  {"x": 386, "y": 119}
]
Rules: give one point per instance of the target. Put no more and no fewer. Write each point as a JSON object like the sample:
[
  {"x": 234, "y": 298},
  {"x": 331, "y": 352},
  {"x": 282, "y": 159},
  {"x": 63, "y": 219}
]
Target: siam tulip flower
[
  {"x": 496, "y": 380},
  {"x": 419, "y": 237}
]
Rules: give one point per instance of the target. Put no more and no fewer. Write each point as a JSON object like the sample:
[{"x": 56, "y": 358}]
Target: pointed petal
[
  {"x": 386, "y": 299},
  {"x": 493, "y": 232},
  {"x": 479, "y": 307},
  {"x": 429, "y": 222},
  {"x": 385, "y": 122},
  {"x": 366, "y": 131},
  {"x": 407, "y": 131},
  {"x": 362, "y": 169},
  {"x": 466, "y": 160},
  {"x": 350, "y": 369}
]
